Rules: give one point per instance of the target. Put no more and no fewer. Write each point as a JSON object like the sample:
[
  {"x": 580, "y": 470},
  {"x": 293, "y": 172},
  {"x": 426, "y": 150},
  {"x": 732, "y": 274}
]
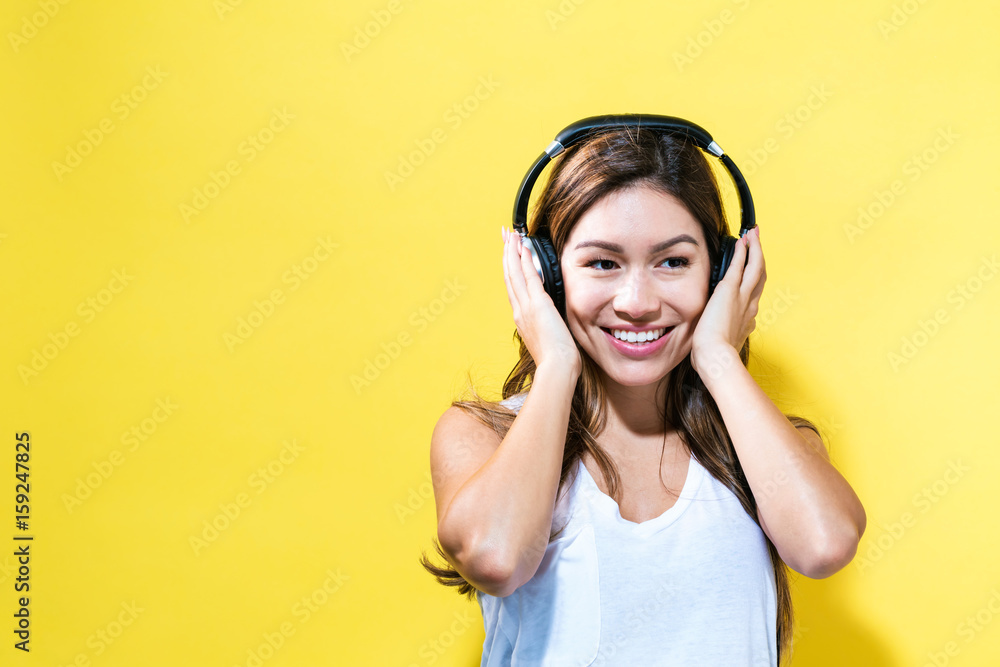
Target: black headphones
[{"x": 543, "y": 253}]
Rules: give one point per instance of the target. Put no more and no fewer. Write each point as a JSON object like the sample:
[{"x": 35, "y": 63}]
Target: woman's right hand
[{"x": 539, "y": 324}]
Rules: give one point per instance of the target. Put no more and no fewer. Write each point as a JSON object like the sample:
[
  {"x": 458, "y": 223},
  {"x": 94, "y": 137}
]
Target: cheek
[
  {"x": 580, "y": 293},
  {"x": 582, "y": 306},
  {"x": 687, "y": 297},
  {"x": 697, "y": 289},
  {"x": 584, "y": 303}
]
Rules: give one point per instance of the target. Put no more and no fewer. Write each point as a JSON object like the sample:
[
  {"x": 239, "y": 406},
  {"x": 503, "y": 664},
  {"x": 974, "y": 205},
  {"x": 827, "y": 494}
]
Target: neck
[{"x": 636, "y": 412}]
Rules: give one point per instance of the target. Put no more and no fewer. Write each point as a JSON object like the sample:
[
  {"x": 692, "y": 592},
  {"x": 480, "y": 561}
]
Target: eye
[
  {"x": 680, "y": 262},
  {"x": 601, "y": 264}
]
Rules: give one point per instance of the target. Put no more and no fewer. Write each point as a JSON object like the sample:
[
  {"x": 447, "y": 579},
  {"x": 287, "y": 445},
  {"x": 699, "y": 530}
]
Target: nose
[{"x": 636, "y": 298}]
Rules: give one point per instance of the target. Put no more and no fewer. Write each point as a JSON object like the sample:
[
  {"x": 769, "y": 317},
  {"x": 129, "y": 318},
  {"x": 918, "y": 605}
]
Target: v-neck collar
[{"x": 692, "y": 481}]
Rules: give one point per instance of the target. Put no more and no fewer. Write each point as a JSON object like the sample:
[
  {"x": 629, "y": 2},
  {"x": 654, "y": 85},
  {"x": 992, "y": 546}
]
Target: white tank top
[{"x": 693, "y": 586}]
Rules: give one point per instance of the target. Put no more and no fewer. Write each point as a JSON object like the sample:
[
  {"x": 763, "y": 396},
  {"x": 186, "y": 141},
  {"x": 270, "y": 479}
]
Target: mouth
[
  {"x": 637, "y": 344},
  {"x": 637, "y": 337}
]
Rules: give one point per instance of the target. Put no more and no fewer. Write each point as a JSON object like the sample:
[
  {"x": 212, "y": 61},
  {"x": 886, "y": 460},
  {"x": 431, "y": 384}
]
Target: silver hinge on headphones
[
  {"x": 554, "y": 149},
  {"x": 716, "y": 150}
]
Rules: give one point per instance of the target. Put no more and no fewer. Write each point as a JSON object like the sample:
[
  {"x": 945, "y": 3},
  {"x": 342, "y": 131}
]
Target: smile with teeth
[{"x": 638, "y": 337}]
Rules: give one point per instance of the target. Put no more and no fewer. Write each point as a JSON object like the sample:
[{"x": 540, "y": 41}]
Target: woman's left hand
[{"x": 728, "y": 318}]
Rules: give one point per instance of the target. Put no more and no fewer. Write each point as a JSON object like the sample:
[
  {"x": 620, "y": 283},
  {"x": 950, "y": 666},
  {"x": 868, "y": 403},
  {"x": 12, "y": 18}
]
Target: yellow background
[{"x": 349, "y": 508}]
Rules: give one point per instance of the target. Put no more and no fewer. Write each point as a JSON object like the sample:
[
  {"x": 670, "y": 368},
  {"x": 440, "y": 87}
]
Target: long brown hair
[{"x": 608, "y": 162}]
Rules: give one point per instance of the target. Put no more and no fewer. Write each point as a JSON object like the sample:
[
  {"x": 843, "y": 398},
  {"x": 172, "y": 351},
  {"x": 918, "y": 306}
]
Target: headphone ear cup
[
  {"x": 719, "y": 270},
  {"x": 549, "y": 271}
]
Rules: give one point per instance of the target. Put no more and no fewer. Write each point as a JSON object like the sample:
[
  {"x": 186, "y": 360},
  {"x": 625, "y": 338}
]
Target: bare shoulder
[
  {"x": 458, "y": 431},
  {"x": 460, "y": 445},
  {"x": 812, "y": 437}
]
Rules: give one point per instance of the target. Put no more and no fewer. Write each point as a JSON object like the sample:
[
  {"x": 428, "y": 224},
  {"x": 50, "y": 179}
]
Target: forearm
[
  {"x": 505, "y": 510},
  {"x": 809, "y": 511}
]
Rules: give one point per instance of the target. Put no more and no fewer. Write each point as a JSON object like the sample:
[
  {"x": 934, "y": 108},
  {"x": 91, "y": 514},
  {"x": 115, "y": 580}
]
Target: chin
[{"x": 643, "y": 377}]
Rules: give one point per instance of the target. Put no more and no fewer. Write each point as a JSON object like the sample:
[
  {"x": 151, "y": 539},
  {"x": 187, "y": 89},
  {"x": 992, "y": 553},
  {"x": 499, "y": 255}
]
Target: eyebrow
[{"x": 659, "y": 247}]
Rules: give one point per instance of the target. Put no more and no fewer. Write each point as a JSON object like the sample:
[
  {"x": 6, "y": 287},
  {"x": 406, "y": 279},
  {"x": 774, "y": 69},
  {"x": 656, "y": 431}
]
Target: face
[{"x": 636, "y": 270}]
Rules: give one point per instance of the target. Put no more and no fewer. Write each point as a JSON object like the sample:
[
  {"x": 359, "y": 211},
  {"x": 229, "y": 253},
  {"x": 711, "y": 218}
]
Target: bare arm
[
  {"x": 495, "y": 500},
  {"x": 806, "y": 508}
]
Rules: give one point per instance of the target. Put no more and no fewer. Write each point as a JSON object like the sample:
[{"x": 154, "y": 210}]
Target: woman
[{"x": 635, "y": 497}]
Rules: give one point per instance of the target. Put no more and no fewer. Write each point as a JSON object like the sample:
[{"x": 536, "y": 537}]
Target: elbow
[
  {"x": 493, "y": 577},
  {"x": 487, "y": 569},
  {"x": 832, "y": 553},
  {"x": 835, "y": 547}
]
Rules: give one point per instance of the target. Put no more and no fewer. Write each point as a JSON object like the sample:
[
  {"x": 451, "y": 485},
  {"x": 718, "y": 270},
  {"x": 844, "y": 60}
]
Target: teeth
[{"x": 640, "y": 337}]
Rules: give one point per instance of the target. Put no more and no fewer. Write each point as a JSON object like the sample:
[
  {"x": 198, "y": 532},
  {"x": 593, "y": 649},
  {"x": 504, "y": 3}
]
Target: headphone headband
[{"x": 582, "y": 129}]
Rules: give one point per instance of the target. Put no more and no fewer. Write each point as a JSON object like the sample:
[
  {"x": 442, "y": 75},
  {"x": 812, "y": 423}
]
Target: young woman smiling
[{"x": 636, "y": 497}]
